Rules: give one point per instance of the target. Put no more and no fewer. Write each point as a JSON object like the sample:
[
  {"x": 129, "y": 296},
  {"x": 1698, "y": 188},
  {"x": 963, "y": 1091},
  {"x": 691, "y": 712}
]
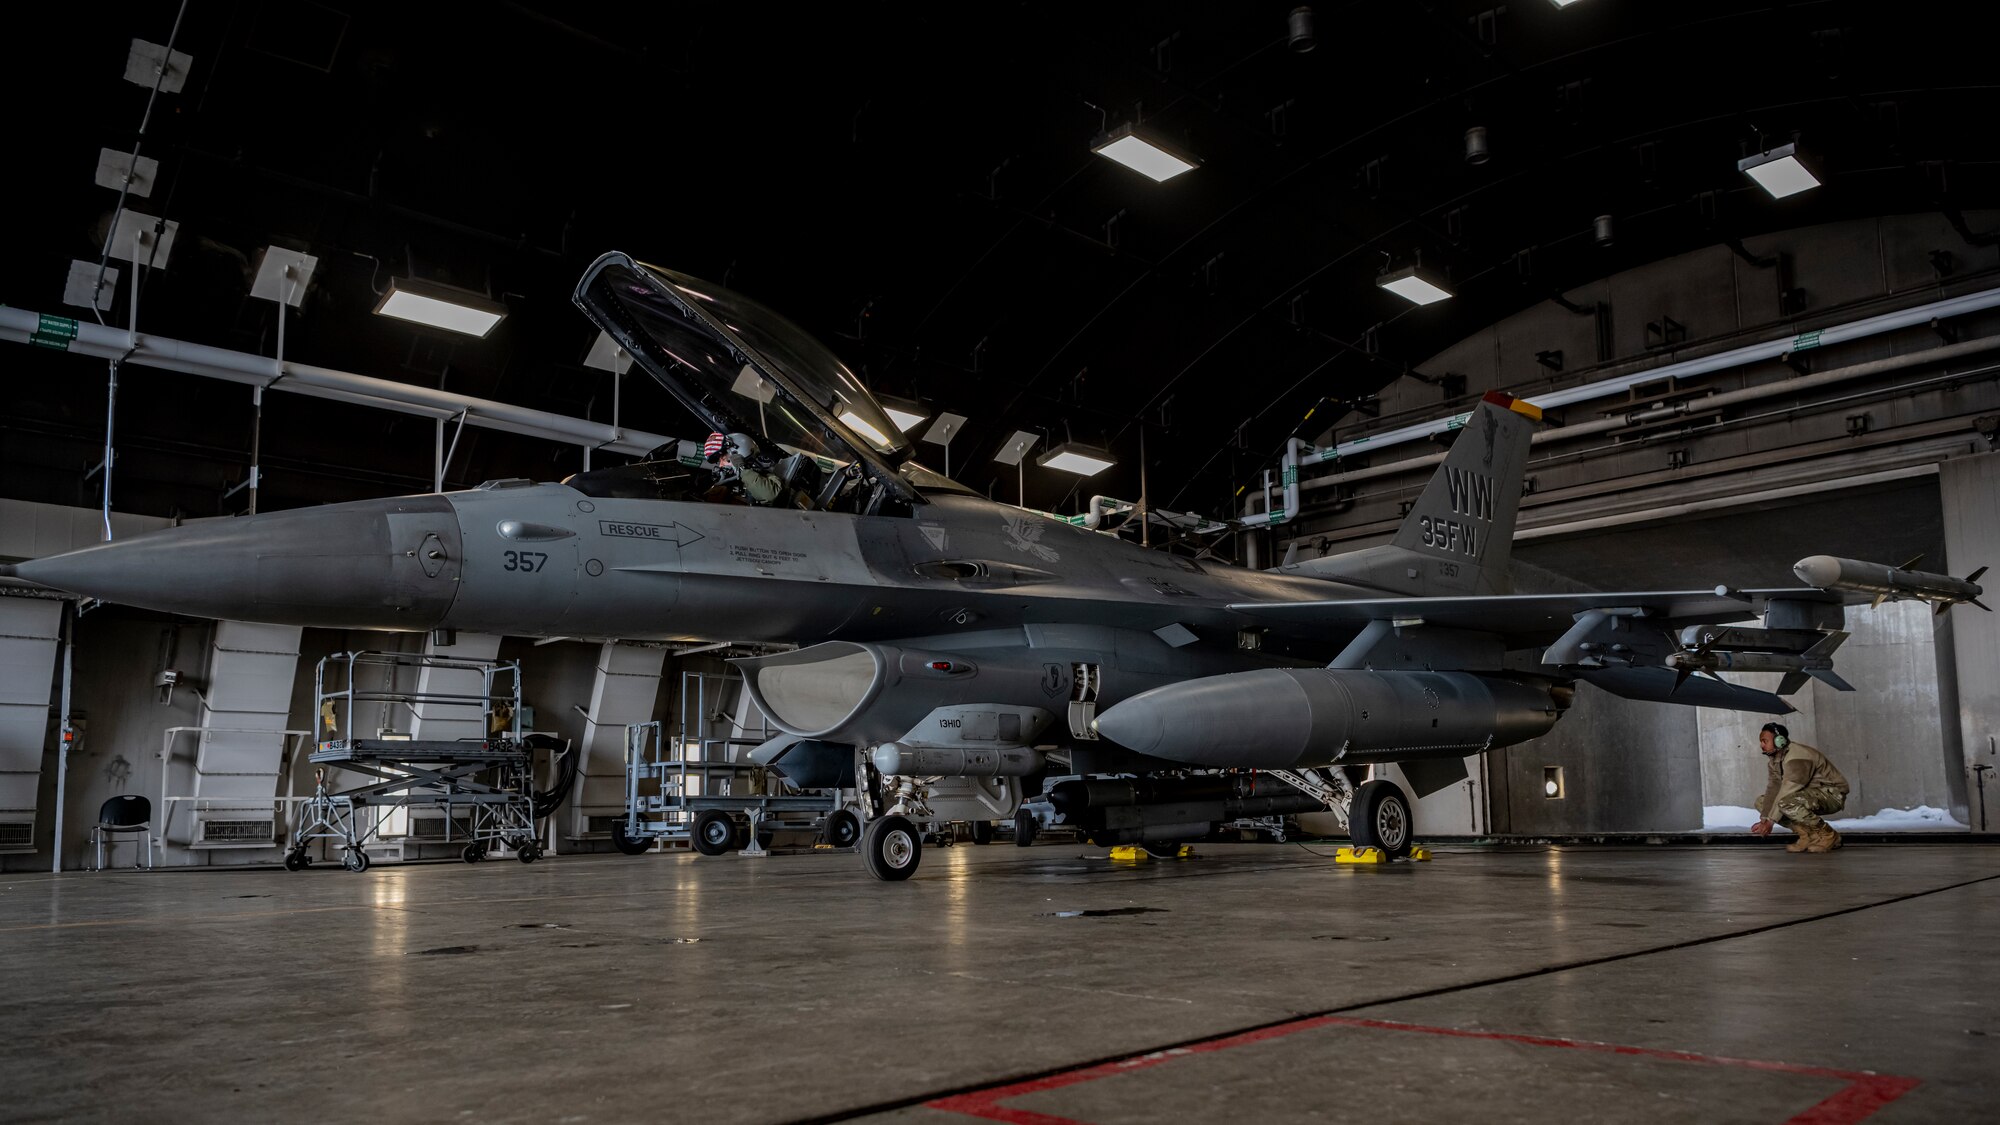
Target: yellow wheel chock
[{"x": 1376, "y": 855}]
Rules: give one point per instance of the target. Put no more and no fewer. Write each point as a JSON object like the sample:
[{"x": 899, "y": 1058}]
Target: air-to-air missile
[
  {"x": 1717, "y": 649},
  {"x": 1890, "y": 583}
]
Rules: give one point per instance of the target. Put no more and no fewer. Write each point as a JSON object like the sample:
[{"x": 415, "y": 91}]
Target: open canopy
[{"x": 742, "y": 368}]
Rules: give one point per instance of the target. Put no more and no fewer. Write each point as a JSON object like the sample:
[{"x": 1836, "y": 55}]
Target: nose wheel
[{"x": 891, "y": 848}]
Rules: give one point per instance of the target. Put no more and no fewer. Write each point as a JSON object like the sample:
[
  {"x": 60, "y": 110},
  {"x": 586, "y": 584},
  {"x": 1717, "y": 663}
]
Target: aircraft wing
[{"x": 1529, "y": 618}]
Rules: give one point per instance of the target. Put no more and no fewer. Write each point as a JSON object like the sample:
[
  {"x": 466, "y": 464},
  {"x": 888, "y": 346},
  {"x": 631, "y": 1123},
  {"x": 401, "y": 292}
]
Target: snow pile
[{"x": 1923, "y": 818}]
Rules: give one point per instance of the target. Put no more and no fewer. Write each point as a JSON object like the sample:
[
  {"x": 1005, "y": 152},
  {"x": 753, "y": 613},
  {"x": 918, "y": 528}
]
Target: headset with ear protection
[{"x": 1780, "y": 737}]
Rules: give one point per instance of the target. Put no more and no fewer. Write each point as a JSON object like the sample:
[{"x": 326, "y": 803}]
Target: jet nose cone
[{"x": 383, "y": 564}]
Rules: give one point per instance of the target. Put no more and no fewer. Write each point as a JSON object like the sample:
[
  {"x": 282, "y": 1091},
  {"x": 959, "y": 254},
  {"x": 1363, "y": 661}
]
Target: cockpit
[
  {"x": 796, "y": 427},
  {"x": 682, "y": 471}
]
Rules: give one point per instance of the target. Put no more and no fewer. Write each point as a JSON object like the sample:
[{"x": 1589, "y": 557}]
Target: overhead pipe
[
  {"x": 1943, "y": 354},
  {"x": 1734, "y": 357},
  {"x": 85, "y": 338}
]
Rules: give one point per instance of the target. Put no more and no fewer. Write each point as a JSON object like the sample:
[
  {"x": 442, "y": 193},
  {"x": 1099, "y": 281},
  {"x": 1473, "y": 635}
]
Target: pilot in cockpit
[{"x": 738, "y": 480}]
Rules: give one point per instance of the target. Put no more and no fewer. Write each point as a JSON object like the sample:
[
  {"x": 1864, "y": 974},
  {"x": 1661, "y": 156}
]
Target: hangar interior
[{"x": 1728, "y": 381}]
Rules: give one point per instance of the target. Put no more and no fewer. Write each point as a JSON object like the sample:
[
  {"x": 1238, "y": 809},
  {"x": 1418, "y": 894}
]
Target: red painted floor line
[{"x": 1863, "y": 1095}]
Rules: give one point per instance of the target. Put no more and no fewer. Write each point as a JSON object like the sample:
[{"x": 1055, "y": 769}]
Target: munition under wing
[
  {"x": 1760, "y": 650},
  {"x": 1890, "y": 583}
]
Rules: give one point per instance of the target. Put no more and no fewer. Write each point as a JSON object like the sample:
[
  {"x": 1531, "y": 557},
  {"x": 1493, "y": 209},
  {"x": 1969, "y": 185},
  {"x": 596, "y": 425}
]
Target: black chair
[{"x": 125, "y": 814}]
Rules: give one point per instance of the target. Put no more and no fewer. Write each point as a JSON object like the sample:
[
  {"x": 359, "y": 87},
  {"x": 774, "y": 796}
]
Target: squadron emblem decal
[{"x": 1024, "y": 534}]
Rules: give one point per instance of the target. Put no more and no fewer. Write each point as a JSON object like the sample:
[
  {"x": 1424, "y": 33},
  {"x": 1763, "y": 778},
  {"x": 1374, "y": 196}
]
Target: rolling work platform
[
  {"x": 687, "y": 790},
  {"x": 483, "y": 786}
]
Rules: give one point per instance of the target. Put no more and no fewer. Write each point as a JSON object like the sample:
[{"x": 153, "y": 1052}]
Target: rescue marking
[{"x": 667, "y": 533}]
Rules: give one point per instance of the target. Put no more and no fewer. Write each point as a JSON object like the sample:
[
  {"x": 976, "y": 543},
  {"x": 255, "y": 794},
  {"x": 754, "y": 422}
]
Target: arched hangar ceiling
[{"x": 915, "y": 184}]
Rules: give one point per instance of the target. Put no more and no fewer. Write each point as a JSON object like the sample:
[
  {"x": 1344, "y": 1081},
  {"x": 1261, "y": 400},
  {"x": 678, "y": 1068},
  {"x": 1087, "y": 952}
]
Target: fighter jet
[{"x": 950, "y": 646}]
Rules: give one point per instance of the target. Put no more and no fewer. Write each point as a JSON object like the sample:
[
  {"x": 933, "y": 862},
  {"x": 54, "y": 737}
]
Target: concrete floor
[{"x": 1739, "y": 984}]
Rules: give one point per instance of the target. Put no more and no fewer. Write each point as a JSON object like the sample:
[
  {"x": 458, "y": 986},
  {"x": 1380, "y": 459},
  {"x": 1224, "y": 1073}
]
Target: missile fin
[
  {"x": 1974, "y": 576},
  {"x": 1913, "y": 562},
  {"x": 1681, "y": 675},
  {"x": 1826, "y": 676},
  {"x": 1792, "y": 682},
  {"x": 1981, "y": 605},
  {"x": 1824, "y": 647}
]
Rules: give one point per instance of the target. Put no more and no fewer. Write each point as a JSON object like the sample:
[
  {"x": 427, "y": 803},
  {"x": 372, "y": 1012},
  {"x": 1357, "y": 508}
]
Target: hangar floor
[{"x": 1512, "y": 984}]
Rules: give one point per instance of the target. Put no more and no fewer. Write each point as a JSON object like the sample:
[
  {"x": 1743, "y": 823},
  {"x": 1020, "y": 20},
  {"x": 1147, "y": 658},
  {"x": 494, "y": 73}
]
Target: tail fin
[{"x": 1459, "y": 535}]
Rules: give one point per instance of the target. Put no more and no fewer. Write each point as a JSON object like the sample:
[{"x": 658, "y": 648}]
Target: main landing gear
[{"x": 1379, "y": 817}]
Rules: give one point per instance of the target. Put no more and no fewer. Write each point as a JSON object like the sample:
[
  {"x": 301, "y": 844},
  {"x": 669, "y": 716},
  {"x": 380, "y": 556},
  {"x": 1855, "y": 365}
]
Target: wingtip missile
[{"x": 1889, "y": 583}]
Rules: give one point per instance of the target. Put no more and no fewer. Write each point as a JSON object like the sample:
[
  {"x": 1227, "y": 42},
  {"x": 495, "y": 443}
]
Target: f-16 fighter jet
[{"x": 952, "y": 646}]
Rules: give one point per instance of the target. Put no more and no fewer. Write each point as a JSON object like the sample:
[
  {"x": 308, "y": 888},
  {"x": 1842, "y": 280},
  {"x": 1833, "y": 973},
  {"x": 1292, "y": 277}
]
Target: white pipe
[
  {"x": 1801, "y": 383},
  {"x": 1722, "y": 503},
  {"x": 1295, "y": 452},
  {"x": 1735, "y": 357},
  {"x": 84, "y": 338}
]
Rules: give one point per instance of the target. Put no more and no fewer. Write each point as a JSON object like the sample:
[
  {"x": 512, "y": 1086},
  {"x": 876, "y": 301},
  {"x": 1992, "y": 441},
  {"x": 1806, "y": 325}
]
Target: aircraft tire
[
  {"x": 843, "y": 829},
  {"x": 628, "y": 845},
  {"x": 892, "y": 848},
  {"x": 1024, "y": 829},
  {"x": 982, "y": 831},
  {"x": 1163, "y": 849},
  {"x": 714, "y": 832},
  {"x": 1379, "y": 817}
]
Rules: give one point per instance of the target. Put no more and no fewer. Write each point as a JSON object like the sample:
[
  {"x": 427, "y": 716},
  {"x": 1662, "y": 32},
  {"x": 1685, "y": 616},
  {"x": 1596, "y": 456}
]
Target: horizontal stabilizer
[{"x": 1656, "y": 685}]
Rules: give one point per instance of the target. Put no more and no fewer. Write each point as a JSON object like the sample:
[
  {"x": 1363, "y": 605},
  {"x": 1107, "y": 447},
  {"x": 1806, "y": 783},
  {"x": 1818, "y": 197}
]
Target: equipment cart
[
  {"x": 685, "y": 802},
  {"x": 483, "y": 785}
]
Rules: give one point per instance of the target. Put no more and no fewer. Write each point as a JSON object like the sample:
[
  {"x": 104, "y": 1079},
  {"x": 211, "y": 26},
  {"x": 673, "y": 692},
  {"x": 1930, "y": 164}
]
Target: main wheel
[
  {"x": 630, "y": 845},
  {"x": 714, "y": 832},
  {"x": 1163, "y": 849},
  {"x": 843, "y": 828},
  {"x": 1024, "y": 829},
  {"x": 355, "y": 860},
  {"x": 892, "y": 848},
  {"x": 1380, "y": 817},
  {"x": 982, "y": 831}
]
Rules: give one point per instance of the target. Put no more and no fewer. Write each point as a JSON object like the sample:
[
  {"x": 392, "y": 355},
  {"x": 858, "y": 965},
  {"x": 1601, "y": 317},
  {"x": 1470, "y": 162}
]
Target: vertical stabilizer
[{"x": 1459, "y": 534}]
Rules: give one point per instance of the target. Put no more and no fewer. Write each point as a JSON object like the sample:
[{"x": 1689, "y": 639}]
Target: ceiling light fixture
[
  {"x": 1563, "y": 3},
  {"x": 441, "y": 306},
  {"x": 1143, "y": 154},
  {"x": 1299, "y": 30},
  {"x": 1414, "y": 285},
  {"x": 1076, "y": 457},
  {"x": 855, "y": 423},
  {"x": 905, "y": 412},
  {"x": 1779, "y": 171},
  {"x": 1476, "y": 149}
]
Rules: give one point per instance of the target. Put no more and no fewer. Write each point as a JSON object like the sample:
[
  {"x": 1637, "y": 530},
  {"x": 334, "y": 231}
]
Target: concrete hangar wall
[{"x": 1695, "y": 470}]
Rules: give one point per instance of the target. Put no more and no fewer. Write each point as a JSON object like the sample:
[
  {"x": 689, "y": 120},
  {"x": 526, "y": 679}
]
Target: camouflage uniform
[{"x": 1803, "y": 785}]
